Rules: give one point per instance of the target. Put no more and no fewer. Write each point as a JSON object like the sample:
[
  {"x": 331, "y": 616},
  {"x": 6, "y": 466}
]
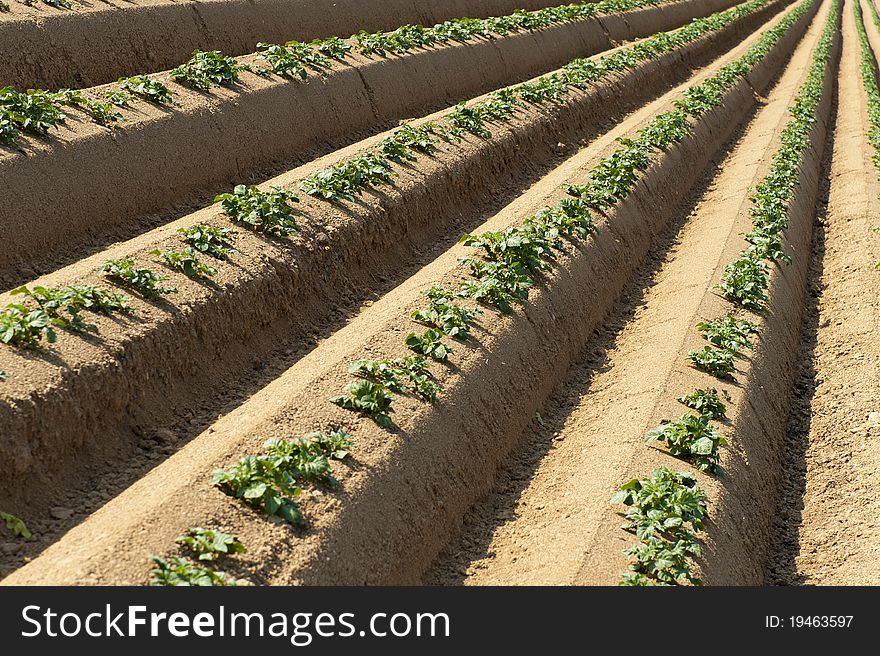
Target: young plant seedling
[
  {"x": 265, "y": 212},
  {"x": 718, "y": 362},
  {"x": 120, "y": 98},
  {"x": 745, "y": 283},
  {"x": 219, "y": 243},
  {"x": 125, "y": 272},
  {"x": 443, "y": 314},
  {"x": 21, "y": 326},
  {"x": 186, "y": 261},
  {"x": 706, "y": 402},
  {"x": 208, "y": 69},
  {"x": 209, "y": 544},
  {"x": 368, "y": 398},
  {"x": 346, "y": 181},
  {"x": 336, "y": 445},
  {"x": 729, "y": 333},
  {"x": 146, "y": 87},
  {"x": 429, "y": 343},
  {"x": 663, "y": 505},
  {"x": 690, "y": 437},
  {"x": 178, "y": 571}
]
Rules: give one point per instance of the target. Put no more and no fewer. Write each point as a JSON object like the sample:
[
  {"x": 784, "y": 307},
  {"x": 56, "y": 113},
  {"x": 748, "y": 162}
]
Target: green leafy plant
[
  {"x": 745, "y": 283},
  {"x": 101, "y": 112},
  {"x": 332, "y": 47},
  {"x": 219, "y": 243},
  {"x": 368, "y": 398},
  {"x": 663, "y": 505},
  {"x": 74, "y": 299},
  {"x": 59, "y": 4},
  {"x": 396, "y": 374},
  {"x": 146, "y": 87},
  {"x": 444, "y": 314},
  {"x": 178, "y": 571},
  {"x": 661, "y": 562},
  {"x": 664, "y": 511},
  {"x": 729, "y": 333},
  {"x": 187, "y": 261},
  {"x": 704, "y": 401},
  {"x": 208, "y": 69},
  {"x": 497, "y": 284},
  {"x": 429, "y": 343},
  {"x": 718, "y": 362},
  {"x": 125, "y": 272},
  {"x": 209, "y": 544},
  {"x": 267, "y": 212},
  {"x": 120, "y": 98},
  {"x": 690, "y": 437},
  {"x": 3, "y": 376},
  {"x": 15, "y": 525},
  {"x": 335, "y": 445},
  {"x": 35, "y": 111},
  {"x": 347, "y": 180},
  {"x": 270, "y": 482},
  {"x": 420, "y": 138},
  {"x": 21, "y": 326}
]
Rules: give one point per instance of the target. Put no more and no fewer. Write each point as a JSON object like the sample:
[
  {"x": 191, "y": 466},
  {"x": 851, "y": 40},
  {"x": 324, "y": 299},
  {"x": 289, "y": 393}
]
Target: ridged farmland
[{"x": 447, "y": 293}]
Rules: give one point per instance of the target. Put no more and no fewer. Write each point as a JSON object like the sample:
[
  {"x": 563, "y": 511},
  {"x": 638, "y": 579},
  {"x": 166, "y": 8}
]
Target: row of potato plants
[
  {"x": 666, "y": 549},
  {"x": 57, "y": 4},
  {"x": 36, "y": 111},
  {"x": 868, "y": 70},
  {"x": 270, "y": 212},
  {"x": 504, "y": 275},
  {"x": 666, "y": 509}
]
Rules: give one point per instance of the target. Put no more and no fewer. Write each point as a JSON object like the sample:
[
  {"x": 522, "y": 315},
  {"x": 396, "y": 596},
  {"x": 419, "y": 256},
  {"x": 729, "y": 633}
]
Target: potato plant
[
  {"x": 179, "y": 571},
  {"x": 690, "y": 437},
  {"x": 367, "y": 398},
  {"x": 266, "y": 212},
  {"x": 21, "y": 326},
  {"x": 429, "y": 343},
  {"x": 125, "y": 272},
  {"x": 664, "y": 511},
  {"x": 208, "y": 69},
  {"x": 271, "y": 481},
  {"x": 704, "y": 401},
  {"x": 209, "y": 544},
  {"x": 186, "y": 261},
  {"x": 444, "y": 315},
  {"x": 219, "y": 243},
  {"x": 145, "y": 87}
]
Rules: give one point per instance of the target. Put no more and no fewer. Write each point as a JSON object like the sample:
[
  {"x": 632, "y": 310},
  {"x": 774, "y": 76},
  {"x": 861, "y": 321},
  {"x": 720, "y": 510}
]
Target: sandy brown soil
[
  {"x": 548, "y": 520},
  {"x": 828, "y": 529},
  {"x": 95, "y": 43},
  {"x": 405, "y": 490},
  {"x": 156, "y": 163},
  {"x": 56, "y": 404}
]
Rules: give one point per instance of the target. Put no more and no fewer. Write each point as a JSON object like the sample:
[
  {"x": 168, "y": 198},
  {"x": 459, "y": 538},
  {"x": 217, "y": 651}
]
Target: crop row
[
  {"x": 499, "y": 283},
  {"x": 509, "y": 263},
  {"x": 502, "y": 277},
  {"x": 271, "y": 213},
  {"x": 57, "y": 4},
  {"x": 36, "y": 111},
  {"x": 667, "y": 509},
  {"x": 868, "y": 70}
]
